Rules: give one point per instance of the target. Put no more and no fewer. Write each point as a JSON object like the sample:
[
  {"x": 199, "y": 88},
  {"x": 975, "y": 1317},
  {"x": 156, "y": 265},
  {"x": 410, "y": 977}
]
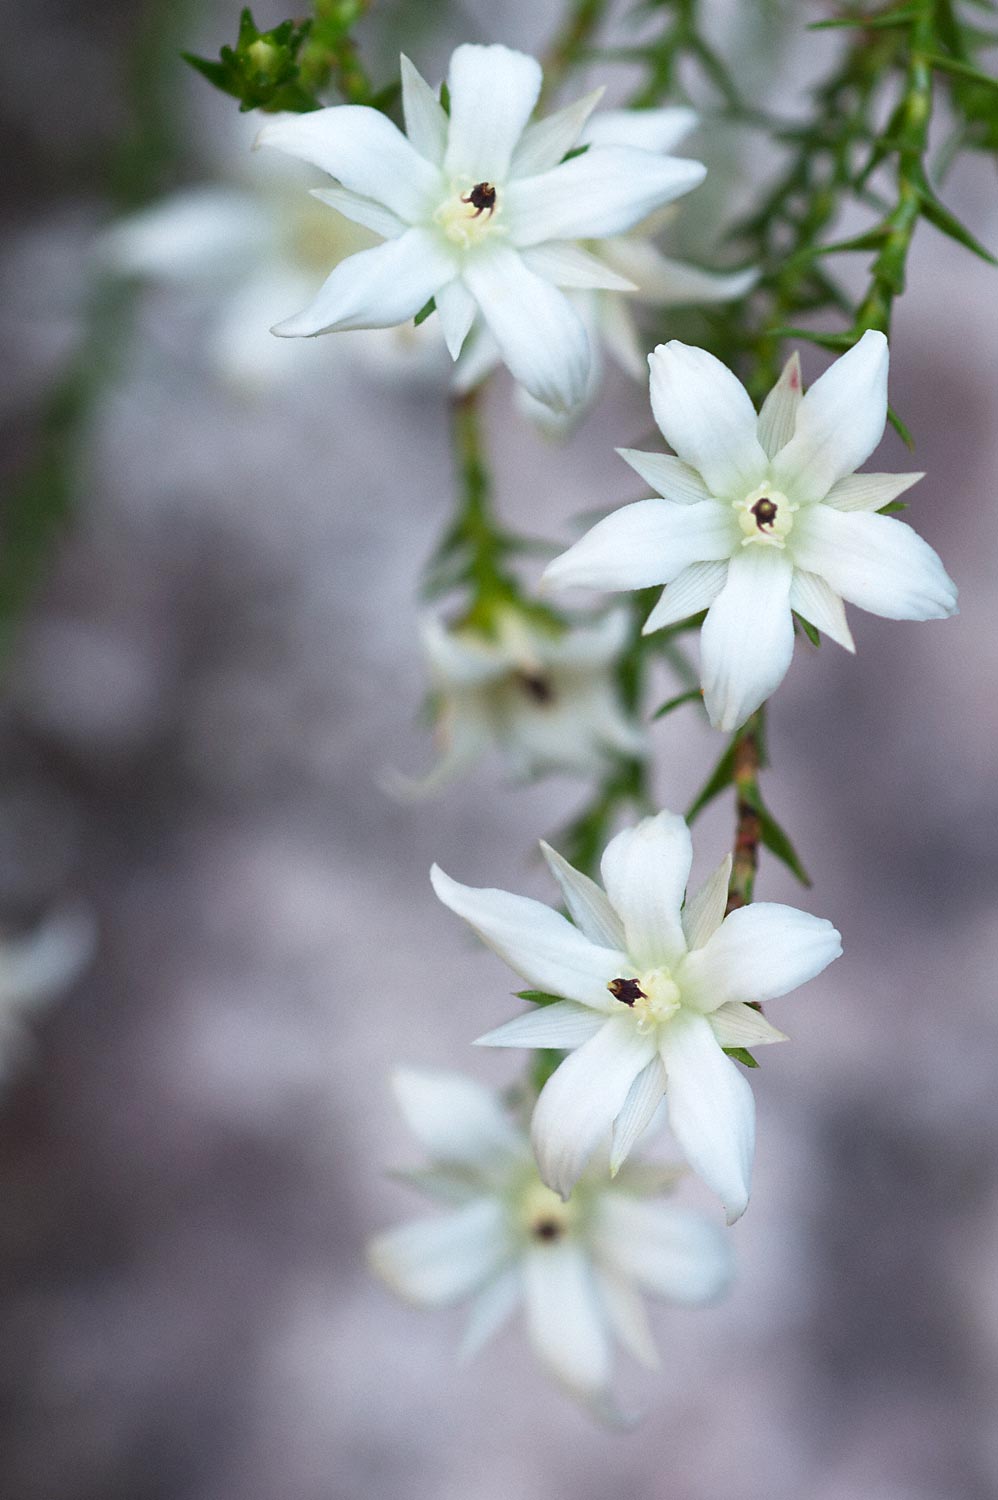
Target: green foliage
[
  {"x": 742, "y": 1055},
  {"x": 263, "y": 69},
  {"x": 692, "y": 695}
]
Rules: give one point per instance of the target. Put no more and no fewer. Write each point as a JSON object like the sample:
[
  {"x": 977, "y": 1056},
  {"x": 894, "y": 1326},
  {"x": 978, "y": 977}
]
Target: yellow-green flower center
[
  {"x": 543, "y": 1216},
  {"x": 652, "y": 998},
  {"x": 470, "y": 213},
  {"x": 766, "y": 516}
]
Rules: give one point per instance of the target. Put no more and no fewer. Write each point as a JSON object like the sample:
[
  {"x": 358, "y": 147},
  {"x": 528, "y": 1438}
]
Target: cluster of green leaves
[
  {"x": 675, "y": 47},
  {"x": 895, "y": 62},
  {"x": 288, "y": 66},
  {"x": 263, "y": 70}
]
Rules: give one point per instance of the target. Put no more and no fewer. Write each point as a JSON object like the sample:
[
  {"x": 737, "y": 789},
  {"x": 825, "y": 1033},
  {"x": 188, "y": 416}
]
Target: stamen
[
  {"x": 482, "y": 199},
  {"x": 627, "y": 991},
  {"x": 535, "y": 686},
  {"x": 547, "y": 1229},
  {"x": 765, "y": 512}
]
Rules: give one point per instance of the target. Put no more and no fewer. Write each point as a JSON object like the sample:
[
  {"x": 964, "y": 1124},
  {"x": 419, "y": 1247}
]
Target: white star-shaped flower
[
  {"x": 546, "y": 698},
  {"x": 258, "y": 243},
  {"x": 654, "y": 279},
  {"x": 761, "y": 516},
  {"x": 507, "y": 1240},
  {"x": 479, "y": 210},
  {"x": 652, "y": 992}
]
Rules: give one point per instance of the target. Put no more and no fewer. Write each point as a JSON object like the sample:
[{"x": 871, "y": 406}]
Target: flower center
[
  {"x": 652, "y": 998},
  {"x": 543, "y": 1215},
  {"x": 765, "y": 516},
  {"x": 470, "y": 213},
  {"x": 535, "y": 686}
]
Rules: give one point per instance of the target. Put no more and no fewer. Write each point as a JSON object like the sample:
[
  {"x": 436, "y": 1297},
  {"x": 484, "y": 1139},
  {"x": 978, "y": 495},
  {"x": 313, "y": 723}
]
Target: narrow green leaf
[
  {"x": 425, "y": 311},
  {"x": 962, "y": 70},
  {"x": 808, "y": 629},
  {"x": 777, "y": 842},
  {"x": 892, "y": 507},
  {"x": 939, "y": 215},
  {"x": 537, "y": 997},
  {"x": 544, "y": 1062},
  {"x": 676, "y": 702},
  {"x": 721, "y": 777},
  {"x": 900, "y": 428},
  {"x": 742, "y": 1055}
]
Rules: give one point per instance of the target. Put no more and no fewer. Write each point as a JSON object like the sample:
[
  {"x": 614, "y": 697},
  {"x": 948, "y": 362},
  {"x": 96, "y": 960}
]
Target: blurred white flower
[
  {"x": 761, "y": 516},
  {"x": 546, "y": 698},
  {"x": 479, "y": 210},
  {"x": 37, "y": 968},
  {"x": 506, "y": 1240},
  {"x": 656, "y": 279},
  {"x": 260, "y": 243},
  {"x": 653, "y": 991}
]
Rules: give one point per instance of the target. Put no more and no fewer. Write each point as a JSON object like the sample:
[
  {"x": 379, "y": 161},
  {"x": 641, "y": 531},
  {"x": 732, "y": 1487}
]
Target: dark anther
[
  {"x": 482, "y": 199},
  {"x": 547, "y": 1229},
  {"x": 627, "y": 991},
  {"x": 765, "y": 512},
  {"x": 536, "y": 687}
]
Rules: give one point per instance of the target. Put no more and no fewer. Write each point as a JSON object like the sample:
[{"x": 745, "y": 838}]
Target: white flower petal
[
  {"x": 456, "y": 309},
  {"x": 704, "y": 412},
  {"x": 711, "y": 1110},
  {"x": 664, "y": 282},
  {"x": 739, "y": 1025},
  {"x": 568, "y": 265},
  {"x": 565, "y": 1318},
  {"x": 190, "y": 236},
  {"x": 875, "y": 562},
  {"x": 649, "y": 542},
  {"x": 643, "y": 1099},
  {"x": 493, "y": 91},
  {"x": 758, "y": 953},
  {"x": 625, "y": 1313},
  {"x": 453, "y": 1117},
  {"x": 587, "y": 648},
  {"x": 543, "y": 144},
  {"x": 606, "y": 191},
  {"x": 587, "y": 904},
  {"x": 460, "y": 657},
  {"x": 362, "y": 210},
  {"x": 778, "y": 416},
  {"x": 704, "y": 912},
  {"x": 435, "y": 1261},
  {"x": 646, "y": 129},
  {"x": 667, "y": 475},
  {"x": 365, "y": 152},
  {"x": 479, "y": 357},
  {"x": 747, "y": 639},
  {"x": 645, "y": 870},
  {"x": 869, "y": 491},
  {"x": 425, "y": 117},
  {"x": 582, "y": 1098},
  {"x": 540, "y": 335},
  {"x": 467, "y": 732},
  {"x": 376, "y": 288},
  {"x": 538, "y": 943},
  {"x": 821, "y": 606},
  {"x": 619, "y": 334},
  {"x": 564, "y": 1024},
  {"x": 695, "y": 589},
  {"x": 839, "y": 422},
  {"x": 668, "y": 1251},
  {"x": 492, "y": 1307}
]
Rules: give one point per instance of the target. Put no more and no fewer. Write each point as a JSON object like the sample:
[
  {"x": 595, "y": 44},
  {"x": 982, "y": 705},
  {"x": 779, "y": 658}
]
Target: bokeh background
[{"x": 196, "y": 717}]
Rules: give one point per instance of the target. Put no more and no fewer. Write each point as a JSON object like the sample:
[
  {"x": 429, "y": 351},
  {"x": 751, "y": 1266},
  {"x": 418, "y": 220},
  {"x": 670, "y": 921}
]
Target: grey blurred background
[{"x": 217, "y": 669}]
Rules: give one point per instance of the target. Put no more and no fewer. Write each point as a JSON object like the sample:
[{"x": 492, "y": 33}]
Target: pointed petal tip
[{"x": 734, "y": 1210}]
